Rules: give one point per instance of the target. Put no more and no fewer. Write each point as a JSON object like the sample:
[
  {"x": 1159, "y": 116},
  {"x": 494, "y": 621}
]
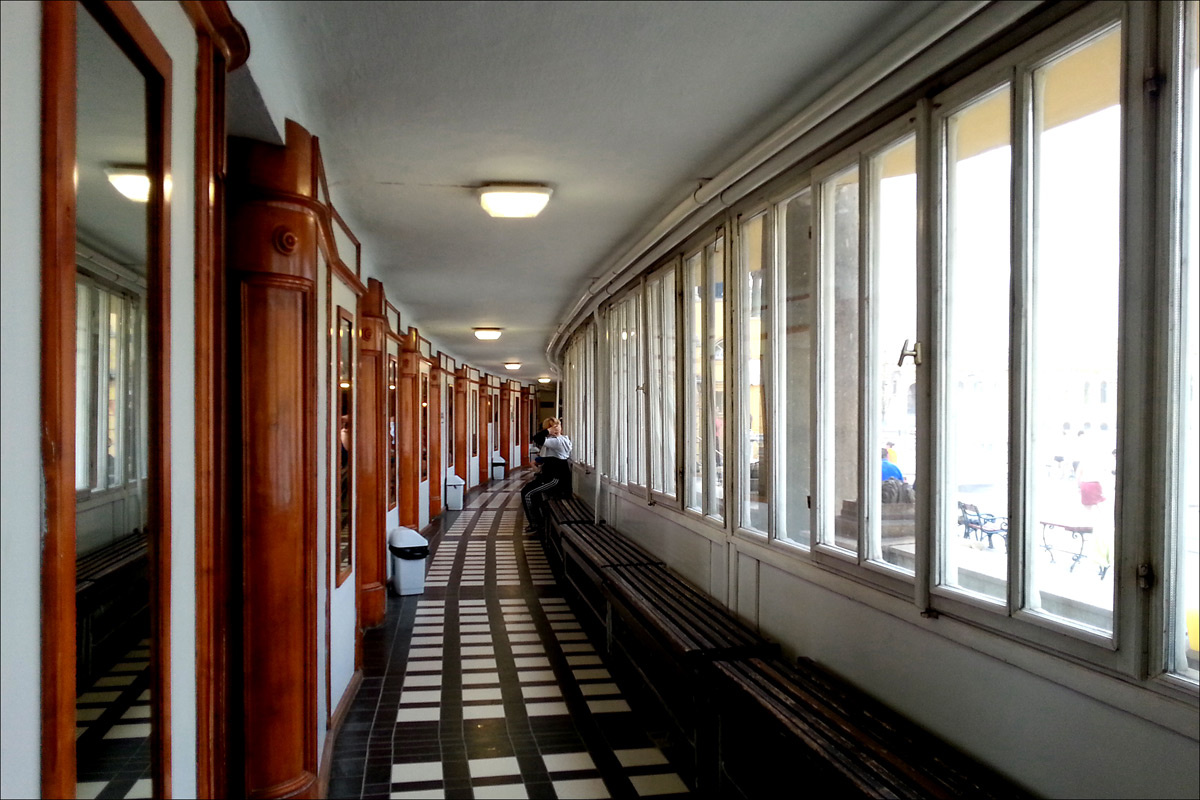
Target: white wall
[
  {"x": 20, "y": 328},
  {"x": 1055, "y": 728},
  {"x": 177, "y": 35}
]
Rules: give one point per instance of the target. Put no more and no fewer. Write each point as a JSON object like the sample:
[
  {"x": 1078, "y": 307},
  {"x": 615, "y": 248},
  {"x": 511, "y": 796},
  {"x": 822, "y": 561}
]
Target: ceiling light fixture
[
  {"x": 512, "y": 364},
  {"x": 543, "y": 380},
  {"x": 487, "y": 333},
  {"x": 133, "y": 182},
  {"x": 515, "y": 200}
]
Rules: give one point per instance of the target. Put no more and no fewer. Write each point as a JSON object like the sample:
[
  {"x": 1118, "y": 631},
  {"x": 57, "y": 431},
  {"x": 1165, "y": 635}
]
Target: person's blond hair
[{"x": 549, "y": 422}]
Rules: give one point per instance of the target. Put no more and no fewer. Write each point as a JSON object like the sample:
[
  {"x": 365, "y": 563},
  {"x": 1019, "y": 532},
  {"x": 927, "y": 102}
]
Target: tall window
[
  {"x": 110, "y": 380},
  {"x": 393, "y": 395},
  {"x": 978, "y": 202},
  {"x": 794, "y": 223},
  {"x": 660, "y": 338},
  {"x": 754, "y": 321},
  {"x": 714, "y": 350},
  {"x": 1074, "y": 287},
  {"x": 694, "y": 427},
  {"x": 891, "y": 532},
  {"x": 839, "y": 301},
  {"x": 1184, "y": 580}
]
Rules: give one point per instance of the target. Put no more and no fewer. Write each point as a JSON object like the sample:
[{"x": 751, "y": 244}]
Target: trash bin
[
  {"x": 498, "y": 468},
  {"x": 409, "y": 552},
  {"x": 454, "y": 493}
]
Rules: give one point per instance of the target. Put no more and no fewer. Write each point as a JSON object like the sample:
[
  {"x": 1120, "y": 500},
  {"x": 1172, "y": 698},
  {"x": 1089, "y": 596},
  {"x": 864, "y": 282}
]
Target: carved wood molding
[{"x": 214, "y": 18}]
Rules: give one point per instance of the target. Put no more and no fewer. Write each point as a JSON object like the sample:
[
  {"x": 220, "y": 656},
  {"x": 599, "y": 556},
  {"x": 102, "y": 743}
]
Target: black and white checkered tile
[
  {"x": 112, "y": 731},
  {"x": 491, "y": 686}
]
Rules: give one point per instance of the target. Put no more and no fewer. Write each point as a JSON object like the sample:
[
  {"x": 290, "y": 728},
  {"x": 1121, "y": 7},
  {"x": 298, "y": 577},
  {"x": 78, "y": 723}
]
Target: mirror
[
  {"x": 345, "y": 468},
  {"x": 113, "y": 597}
]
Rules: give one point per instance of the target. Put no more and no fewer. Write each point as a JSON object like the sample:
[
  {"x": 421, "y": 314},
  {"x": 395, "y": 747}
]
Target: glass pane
[
  {"x": 636, "y": 395},
  {"x": 839, "y": 249},
  {"x": 112, "y": 390},
  {"x": 716, "y": 358},
  {"x": 1187, "y": 537},
  {"x": 345, "y": 410},
  {"x": 668, "y": 382},
  {"x": 424, "y": 426},
  {"x": 1073, "y": 349},
  {"x": 755, "y": 327},
  {"x": 85, "y": 359},
  {"x": 894, "y": 175},
  {"x": 974, "y": 520},
  {"x": 796, "y": 386},
  {"x": 694, "y": 428},
  {"x": 654, "y": 341}
]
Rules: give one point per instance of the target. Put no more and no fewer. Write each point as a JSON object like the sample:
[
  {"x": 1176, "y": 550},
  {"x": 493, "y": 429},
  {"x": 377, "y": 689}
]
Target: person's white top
[{"x": 557, "y": 447}]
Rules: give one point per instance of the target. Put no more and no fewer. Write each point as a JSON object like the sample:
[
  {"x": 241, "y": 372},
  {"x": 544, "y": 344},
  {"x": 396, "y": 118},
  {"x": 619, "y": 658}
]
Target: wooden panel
[
  {"x": 372, "y": 468},
  {"x": 506, "y": 427},
  {"x": 58, "y": 398},
  {"x": 459, "y": 398},
  {"x": 409, "y": 438},
  {"x": 271, "y": 256},
  {"x": 279, "y": 535},
  {"x": 436, "y": 473}
]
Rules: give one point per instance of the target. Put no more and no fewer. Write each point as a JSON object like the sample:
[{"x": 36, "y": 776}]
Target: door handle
[{"x": 905, "y": 353}]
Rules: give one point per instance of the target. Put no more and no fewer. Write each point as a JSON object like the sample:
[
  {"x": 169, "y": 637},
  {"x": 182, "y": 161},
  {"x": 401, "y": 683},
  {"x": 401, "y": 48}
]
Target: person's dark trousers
[{"x": 533, "y": 497}]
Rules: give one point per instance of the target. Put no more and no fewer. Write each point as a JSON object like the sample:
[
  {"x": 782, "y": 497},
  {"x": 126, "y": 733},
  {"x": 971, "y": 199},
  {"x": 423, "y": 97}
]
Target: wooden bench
[
  {"x": 671, "y": 633},
  {"x": 811, "y": 725},
  {"x": 587, "y": 549},
  {"x": 562, "y": 511},
  {"x": 112, "y": 604}
]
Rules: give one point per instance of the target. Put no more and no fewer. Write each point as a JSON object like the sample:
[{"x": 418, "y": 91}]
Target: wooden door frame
[
  {"x": 222, "y": 46},
  {"x": 130, "y": 32}
]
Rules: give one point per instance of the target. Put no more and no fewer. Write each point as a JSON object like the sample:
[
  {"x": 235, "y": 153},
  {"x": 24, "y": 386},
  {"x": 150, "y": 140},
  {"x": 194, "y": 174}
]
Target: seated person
[
  {"x": 890, "y": 470},
  {"x": 554, "y": 477},
  {"x": 539, "y": 438}
]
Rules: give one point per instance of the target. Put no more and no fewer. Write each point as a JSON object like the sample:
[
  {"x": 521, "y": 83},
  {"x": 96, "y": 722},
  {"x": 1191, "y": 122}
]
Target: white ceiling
[{"x": 622, "y": 107}]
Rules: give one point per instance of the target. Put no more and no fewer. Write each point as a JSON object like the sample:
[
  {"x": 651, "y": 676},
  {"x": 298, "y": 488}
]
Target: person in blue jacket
[{"x": 890, "y": 470}]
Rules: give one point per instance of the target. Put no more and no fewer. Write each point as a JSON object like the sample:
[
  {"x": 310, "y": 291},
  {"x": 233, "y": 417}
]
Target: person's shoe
[{"x": 530, "y": 528}]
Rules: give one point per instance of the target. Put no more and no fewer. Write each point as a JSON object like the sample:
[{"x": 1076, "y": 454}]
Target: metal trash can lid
[
  {"x": 498, "y": 462},
  {"x": 454, "y": 480}
]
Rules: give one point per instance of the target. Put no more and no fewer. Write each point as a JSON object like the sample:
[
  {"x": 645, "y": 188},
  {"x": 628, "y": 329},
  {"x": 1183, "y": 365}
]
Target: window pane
[
  {"x": 668, "y": 382},
  {"x": 85, "y": 359},
  {"x": 715, "y": 255},
  {"x": 654, "y": 341},
  {"x": 1187, "y": 536},
  {"x": 754, "y": 320},
  {"x": 796, "y": 385},
  {"x": 894, "y": 175},
  {"x": 974, "y": 520},
  {"x": 1073, "y": 347},
  {"x": 115, "y": 318},
  {"x": 839, "y": 234},
  {"x": 636, "y": 394},
  {"x": 694, "y": 428}
]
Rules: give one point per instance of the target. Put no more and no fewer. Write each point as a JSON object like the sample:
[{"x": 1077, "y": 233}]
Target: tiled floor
[
  {"x": 112, "y": 731},
  {"x": 487, "y": 686}
]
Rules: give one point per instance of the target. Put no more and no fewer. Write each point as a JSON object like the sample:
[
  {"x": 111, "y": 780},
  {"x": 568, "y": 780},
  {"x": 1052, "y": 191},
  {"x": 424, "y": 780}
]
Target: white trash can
[
  {"x": 454, "y": 493},
  {"x": 498, "y": 465},
  {"x": 409, "y": 552}
]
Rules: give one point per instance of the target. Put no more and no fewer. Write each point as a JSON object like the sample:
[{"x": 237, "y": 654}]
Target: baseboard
[{"x": 335, "y": 727}]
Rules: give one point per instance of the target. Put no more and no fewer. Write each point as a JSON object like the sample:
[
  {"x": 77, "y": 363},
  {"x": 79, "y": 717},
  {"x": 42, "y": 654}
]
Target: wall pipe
[{"x": 913, "y": 41}]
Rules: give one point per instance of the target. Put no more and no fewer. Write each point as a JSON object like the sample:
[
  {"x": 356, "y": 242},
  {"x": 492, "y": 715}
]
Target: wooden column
[
  {"x": 409, "y": 423},
  {"x": 271, "y": 260},
  {"x": 371, "y": 570},
  {"x": 506, "y": 427},
  {"x": 461, "y": 444},
  {"x": 437, "y": 472}
]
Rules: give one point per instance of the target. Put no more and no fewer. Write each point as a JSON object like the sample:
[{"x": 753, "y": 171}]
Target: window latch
[
  {"x": 905, "y": 353},
  {"x": 1145, "y": 576}
]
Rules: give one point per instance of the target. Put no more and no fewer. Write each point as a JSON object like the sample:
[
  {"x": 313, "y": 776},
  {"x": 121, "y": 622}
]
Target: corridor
[{"x": 487, "y": 686}]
